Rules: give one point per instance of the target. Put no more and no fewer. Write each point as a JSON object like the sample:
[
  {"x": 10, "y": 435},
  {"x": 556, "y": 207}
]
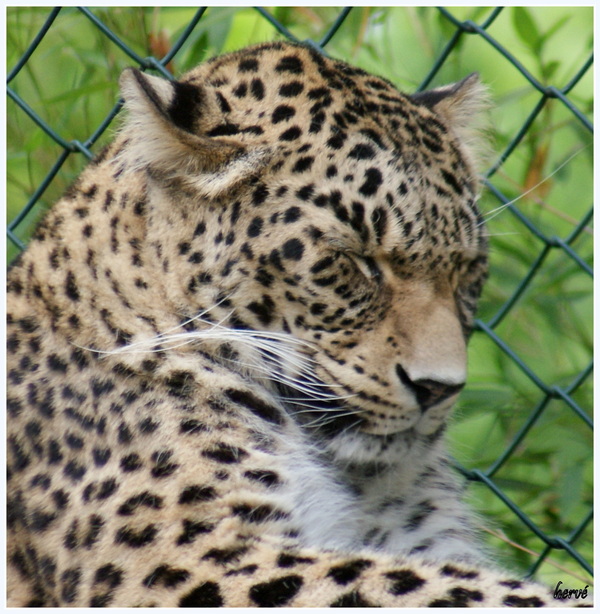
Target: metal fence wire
[{"x": 562, "y": 395}]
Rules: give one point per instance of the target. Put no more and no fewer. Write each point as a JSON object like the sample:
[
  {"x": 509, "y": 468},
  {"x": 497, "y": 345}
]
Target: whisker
[{"x": 490, "y": 215}]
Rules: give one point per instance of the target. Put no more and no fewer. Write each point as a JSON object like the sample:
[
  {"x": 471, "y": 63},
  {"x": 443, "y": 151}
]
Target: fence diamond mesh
[{"x": 523, "y": 428}]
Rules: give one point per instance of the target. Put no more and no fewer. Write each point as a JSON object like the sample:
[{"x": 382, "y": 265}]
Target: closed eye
[{"x": 367, "y": 266}]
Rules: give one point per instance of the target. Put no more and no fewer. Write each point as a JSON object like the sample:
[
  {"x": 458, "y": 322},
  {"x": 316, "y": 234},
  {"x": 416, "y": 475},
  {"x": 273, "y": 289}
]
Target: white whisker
[{"x": 490, "y": 215}]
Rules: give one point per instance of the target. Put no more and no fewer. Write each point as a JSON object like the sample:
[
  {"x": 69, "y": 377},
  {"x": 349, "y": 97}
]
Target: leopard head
[{"x": 300, "y": 198}]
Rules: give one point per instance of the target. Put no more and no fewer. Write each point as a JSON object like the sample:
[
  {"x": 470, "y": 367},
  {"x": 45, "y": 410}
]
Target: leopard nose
[{"x": 428, "y": 392}]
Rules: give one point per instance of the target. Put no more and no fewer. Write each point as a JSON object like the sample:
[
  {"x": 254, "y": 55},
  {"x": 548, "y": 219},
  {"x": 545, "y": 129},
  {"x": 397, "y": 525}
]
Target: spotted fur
[{"x": 234, "y": 343}]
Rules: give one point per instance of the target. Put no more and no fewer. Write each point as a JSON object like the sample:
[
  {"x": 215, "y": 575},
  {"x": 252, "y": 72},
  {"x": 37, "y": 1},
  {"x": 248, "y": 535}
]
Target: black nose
[{"x": 429, "y": 392}]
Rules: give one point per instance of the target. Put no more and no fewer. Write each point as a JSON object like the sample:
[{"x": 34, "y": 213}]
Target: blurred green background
[{"x": 70, "y": 83}]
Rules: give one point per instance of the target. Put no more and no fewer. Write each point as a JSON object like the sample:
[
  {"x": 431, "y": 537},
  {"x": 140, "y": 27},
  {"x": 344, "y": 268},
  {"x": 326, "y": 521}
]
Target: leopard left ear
[
  {"x": 462, "y": 105},
  {"x": 166, "y": 130},
  {"x": 459, "y": 103}
]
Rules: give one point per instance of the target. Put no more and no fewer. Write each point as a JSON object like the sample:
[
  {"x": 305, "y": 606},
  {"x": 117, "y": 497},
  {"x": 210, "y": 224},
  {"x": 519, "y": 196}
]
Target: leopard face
[{"x": 314, "y": 200}]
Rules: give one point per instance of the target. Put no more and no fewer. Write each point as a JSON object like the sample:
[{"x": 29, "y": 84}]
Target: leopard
[{"x": 233, "y": 347}]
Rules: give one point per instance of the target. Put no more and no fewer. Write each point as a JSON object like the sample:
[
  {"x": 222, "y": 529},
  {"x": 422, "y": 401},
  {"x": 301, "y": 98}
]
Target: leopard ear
[
  {"x": 458, "y": 102},
  {"x": 166, "y": 133},
  {"x": 462, "y": 105}
]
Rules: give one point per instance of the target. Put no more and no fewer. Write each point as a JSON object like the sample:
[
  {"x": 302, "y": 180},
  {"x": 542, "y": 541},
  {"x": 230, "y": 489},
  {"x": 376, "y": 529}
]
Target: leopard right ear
[{"x": 166, "y": 129}]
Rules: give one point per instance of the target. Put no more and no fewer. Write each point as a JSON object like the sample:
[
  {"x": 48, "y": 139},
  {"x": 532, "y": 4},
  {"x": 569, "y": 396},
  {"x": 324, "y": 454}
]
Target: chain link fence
[{"x": 562, "y": 250}]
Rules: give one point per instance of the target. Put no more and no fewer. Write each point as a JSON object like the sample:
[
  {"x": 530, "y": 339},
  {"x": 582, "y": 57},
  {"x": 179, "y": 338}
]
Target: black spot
[
  {"x": 168, "y": 576},
  {"x": 257, "y": 513},
  {"x": 205, "y": 595},
  {"x": 286, "y": 560},
  {"x": 144, "y": 499},
  {"x": 514, "y": 601},
  {"x": 241, "y": 90},
  {"x": 325, "y": 281},
  {"x": 74, "y": 470},
  {"x": 291, "y": 134},
  {"x": 95, "y": 526},
  {"x": 455, "y": 572},
  {"x": 404, "y": 581},
  {"x": 379, "y": 220},
  {"x": 255, "y": 405},
  {"x": 163, "y": 468},
  {"x": 196, "y": 258},
  {"x": 101, "y": 456},
  {"x": 139, "y": 207},
  {"x": 91, "y": 191},
  {"x": 124, "y": 434},
  {"x": 265, "y": 476},
  {"x": 306, "y": 192},
  {"x": 106, "y": 489},
  {"x": 514, "y": 584},
  {"x": 130, "y": 463},
  {"x": 255, "y": 227},
  {"x": 71, "y": 289},
  {"x": 348, "y": 572},
  {"x": 109, "y": 574},
  {"x": 29, "y": 324},
  {"x": 40, "y": 521},
  {"x": 225, "y": 453},
  {"x": 225, "y": 555},
  {"x": 291, "y": 89},
  {"x": 282, "y": 113},
  {"x": 290, "y": 63},
  {"x": 292, "y": 214},
  {"x": 248, "y": 65},
  {"x": 303, "y": 164},
  {"x": 352, "y": 600},
  {"x": 196, "y": 494},
  {"x": 191, "y": 529},
  {"x": 293, "y": 249},
  {"x": 55, "y": 363},
  {"x": 337, "y": 140},
  {"x": 60, "y": 498},
  {"x": 101, "y": 387},
  {"x": 422, "y": 511},
  {"x": 179, "y": 383},
  {"x": 322, "y": 264},
  {"x": 192, "y": 426},
  {"x": 451, "y": 180},
  {"x": 373, "y": 179},
  {"x": 462, "y": 597},
  {"x": 12, "y": 343},
  {"x": 70, "y": 582},
  {"x": 260, "y": 194},
  {"x": 318, "y": 308},
  {"x": 276, "y": 593},
  {"x": 257, "y": 89},
  {"x": 79, "y": 358},
  {"x": 247, "y": 570},
  {"x": 264, "y": 278},
  {"x": 362, "y": 152},
  {"x": 263, "y": 310},
  {"x": 136, "y": 539},
  {"x": 101, "y": 601},
  {"x": 148, "y": 425}
]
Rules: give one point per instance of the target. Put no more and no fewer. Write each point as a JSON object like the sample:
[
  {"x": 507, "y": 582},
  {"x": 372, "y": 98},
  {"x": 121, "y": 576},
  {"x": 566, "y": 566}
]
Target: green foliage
[{"x": 70, "y": 81}]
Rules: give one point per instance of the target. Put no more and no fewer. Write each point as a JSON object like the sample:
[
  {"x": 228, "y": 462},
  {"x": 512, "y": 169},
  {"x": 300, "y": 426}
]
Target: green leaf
[
  {"x": 526, "y": 28},
  {"x": 570, "y": 489},
  {"x": 555, "y": 28}
]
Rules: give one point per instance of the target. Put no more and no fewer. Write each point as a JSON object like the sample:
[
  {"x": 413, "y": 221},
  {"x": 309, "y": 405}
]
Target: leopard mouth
[{"x": 326, "y": 413}]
